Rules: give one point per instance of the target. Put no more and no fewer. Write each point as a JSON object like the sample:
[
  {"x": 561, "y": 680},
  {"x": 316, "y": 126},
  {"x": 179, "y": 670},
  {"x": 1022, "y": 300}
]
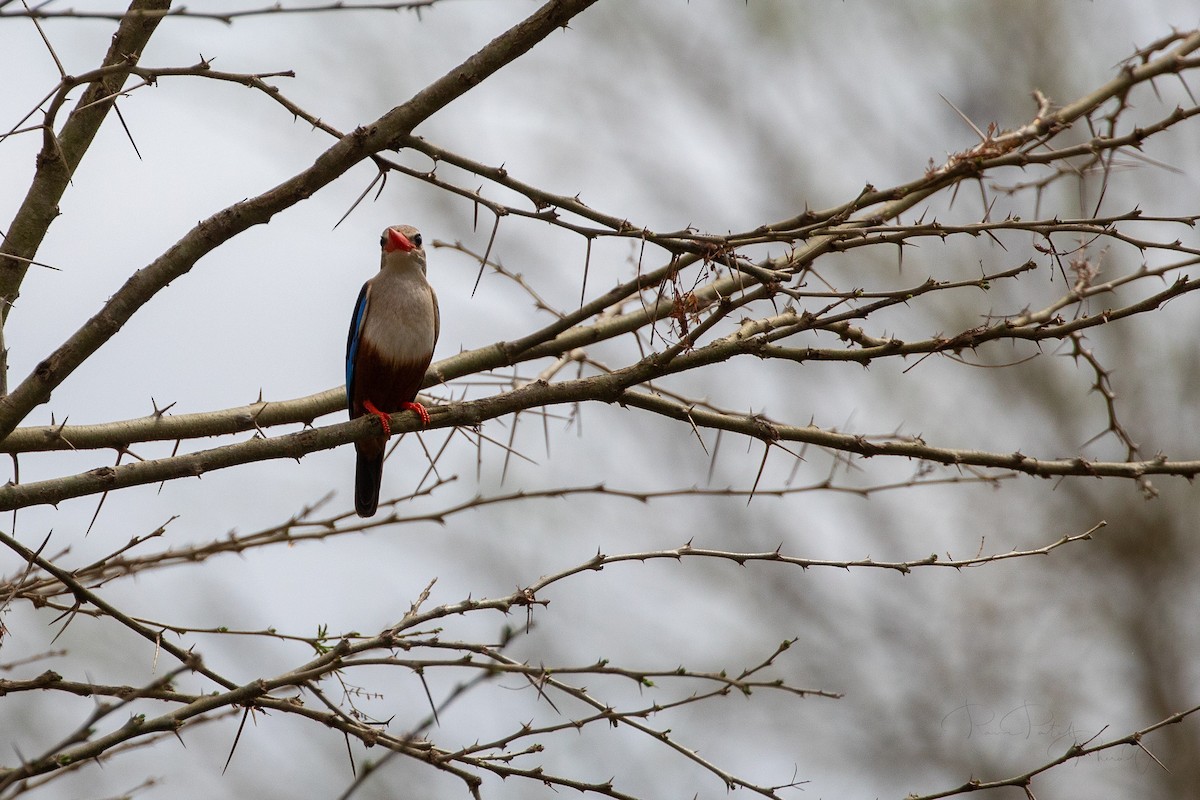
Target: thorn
[
  {"x": 128, "y": 134},
  {"x": 159, "y": 412},
  {"x": 587, "y": 261},
  {"x": 236, "y": 738},
  {"x": 762, "y": 465},
  {"x": 429, "y": 697},
  {"x": 965, "y": 118},
  {"x": 483, "y": 261}
]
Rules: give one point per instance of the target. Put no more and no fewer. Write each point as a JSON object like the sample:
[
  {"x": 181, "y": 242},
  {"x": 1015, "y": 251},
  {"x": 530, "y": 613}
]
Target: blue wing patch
[{"x": 352, "y": 341}]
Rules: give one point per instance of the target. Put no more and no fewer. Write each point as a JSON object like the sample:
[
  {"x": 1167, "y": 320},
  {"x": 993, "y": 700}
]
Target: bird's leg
[
  {"x": 383, "y": 418},
  {"x": 419, "y": 410}
]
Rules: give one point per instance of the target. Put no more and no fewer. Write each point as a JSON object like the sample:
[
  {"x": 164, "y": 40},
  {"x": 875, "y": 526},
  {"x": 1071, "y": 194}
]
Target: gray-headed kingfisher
[{"x": 392, "y": 334}]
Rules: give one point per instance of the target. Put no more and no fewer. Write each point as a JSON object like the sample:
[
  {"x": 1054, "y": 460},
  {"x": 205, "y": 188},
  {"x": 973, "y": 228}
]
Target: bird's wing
[
  {"x": 354, "y": 339},
  {"x": 437, "y": 315}
]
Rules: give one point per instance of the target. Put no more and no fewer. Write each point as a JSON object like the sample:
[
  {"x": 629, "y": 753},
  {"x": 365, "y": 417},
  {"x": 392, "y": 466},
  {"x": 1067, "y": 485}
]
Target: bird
[{"x": 390, "y": 346}]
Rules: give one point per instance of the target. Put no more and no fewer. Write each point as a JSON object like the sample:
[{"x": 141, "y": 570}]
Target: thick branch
[
  {"x": 61, "y": 153},
  {"x": 610, "y": 387}
]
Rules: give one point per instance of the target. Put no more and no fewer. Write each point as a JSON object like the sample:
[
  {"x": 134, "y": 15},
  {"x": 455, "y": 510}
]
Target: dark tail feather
[{"x": 367, "y": 477}]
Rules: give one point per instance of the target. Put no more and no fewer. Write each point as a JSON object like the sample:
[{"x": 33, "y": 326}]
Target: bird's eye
[
  {"x": 416, "y": 239},
  {"x": 383, "y": 240}
]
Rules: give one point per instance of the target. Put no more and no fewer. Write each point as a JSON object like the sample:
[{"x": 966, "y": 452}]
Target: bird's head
[{"x": 402, "y": 244}]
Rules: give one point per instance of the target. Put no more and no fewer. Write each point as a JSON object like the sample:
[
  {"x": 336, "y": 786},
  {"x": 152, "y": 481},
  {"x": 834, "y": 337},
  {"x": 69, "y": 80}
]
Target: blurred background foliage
[{"x": 723, "y": 116}]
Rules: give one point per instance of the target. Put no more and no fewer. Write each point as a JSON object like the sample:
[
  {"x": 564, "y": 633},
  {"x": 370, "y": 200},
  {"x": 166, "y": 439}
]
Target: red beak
[{"x": 397, "y": 241}]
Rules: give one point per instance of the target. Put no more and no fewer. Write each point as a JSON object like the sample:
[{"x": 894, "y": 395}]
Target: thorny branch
[
  {"x": 734, "y": 283},
  {"x": 401, "y": 646},
  {"x": 227, "y": 17}
]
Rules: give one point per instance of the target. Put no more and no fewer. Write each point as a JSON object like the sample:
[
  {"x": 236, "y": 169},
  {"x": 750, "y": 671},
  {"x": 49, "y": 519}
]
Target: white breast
[{"x": 401, "y": 320}]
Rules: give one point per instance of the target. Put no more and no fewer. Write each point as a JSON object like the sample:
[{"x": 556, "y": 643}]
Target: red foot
[
  {"x": 383, "y": 418},
  {"x": 419, "y": 410}
]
